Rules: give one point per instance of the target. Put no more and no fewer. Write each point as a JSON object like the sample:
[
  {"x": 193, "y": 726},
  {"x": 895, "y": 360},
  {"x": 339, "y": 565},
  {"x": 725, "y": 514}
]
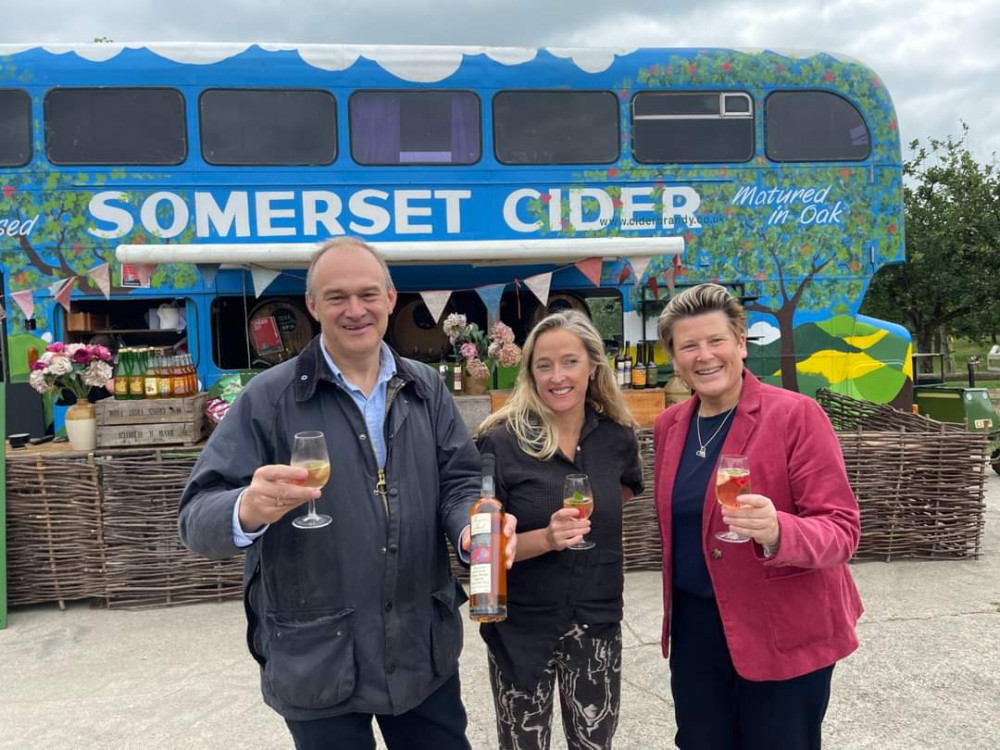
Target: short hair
[
  {"x": 700, "y": 300},
  {"x": 338, "y": 243},
  {"x": 525, "y": 414}
]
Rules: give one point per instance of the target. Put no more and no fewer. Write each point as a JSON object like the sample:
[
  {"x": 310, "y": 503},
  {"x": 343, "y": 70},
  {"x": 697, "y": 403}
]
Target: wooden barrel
[
  {"x": 413, "y": 332},
  {"x": 279, "y": 328},
  {"x": 557, "y": 303}
]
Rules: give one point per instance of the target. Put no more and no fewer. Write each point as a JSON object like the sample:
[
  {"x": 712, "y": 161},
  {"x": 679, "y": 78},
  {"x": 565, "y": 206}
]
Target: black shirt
[
  {"x": 549, "y": 593},
  {"x": 690, "y": 572}
]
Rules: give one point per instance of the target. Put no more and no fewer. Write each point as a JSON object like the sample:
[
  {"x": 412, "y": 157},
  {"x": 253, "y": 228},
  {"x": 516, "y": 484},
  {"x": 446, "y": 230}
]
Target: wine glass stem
[{"x": 312, "y": 508}]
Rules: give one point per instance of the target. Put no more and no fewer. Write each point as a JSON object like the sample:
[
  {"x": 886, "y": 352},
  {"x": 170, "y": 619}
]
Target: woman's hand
[
  {"x": 565, "y": 529},
  {"x": 755, "y": 518}
]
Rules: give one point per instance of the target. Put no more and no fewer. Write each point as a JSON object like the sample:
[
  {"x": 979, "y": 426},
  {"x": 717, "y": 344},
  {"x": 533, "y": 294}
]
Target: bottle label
[
  {"x": 480, "y": 578},
  {"x": 481, "y": 523},
  {"x": 152, "y": 391}
]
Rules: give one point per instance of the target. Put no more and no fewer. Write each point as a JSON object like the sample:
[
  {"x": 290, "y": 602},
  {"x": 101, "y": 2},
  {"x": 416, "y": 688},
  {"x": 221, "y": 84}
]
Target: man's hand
[
  {"x": 755, "y": 518},
  {"x": 509, "y": 532},
  {"x": 275, "y": 490}
]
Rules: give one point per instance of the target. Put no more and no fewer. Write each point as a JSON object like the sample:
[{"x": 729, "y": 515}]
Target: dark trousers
[
  {"x": 436, "y": 724},
  {"x": 716, "y": 709}
]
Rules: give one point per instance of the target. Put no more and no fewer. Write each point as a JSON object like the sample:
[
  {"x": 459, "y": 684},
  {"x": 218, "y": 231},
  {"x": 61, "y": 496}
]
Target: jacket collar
[{"x": 311, "y": 368}]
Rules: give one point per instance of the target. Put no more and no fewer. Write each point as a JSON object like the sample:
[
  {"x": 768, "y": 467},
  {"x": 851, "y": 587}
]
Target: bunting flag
[
  {"x": 639, "y": 264},
  {"x": 62, "y": 296},
  {"x": 435, "y": 302},
  {"x": 654, "y": 285},
  {"x": 625, "y": 273},
  {"x": 262, "y": 278},
  {"x": 539, "y": 286},
  {"x": 668, "y": 276},
  {"x": 490, "y": 295},
  {"x": 517, "y": 296},
  {"x": 208, "y": 271},
  {"x": 25, "y": 299},
  {"x": 101, "y": 275},
  {"x": 56, "y": 286},
  {"x": 591, "y": 268}
]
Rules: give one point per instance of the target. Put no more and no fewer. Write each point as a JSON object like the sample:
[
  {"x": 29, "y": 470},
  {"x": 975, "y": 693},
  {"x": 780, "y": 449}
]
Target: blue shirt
[{"x": 372, "y": 408}]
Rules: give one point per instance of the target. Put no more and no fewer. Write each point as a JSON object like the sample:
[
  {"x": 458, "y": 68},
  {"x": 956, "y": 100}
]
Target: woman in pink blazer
[{"x": 752, "y": 630}]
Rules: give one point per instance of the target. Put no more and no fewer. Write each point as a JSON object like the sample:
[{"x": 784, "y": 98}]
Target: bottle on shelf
[
  {"x": 628, "y": 365},
  {"x": 151, "y": 380},
  {"x": 178, "y": 378},
  {"x": 639, "y": 368},
  {"x": 456, "y": 377},
  {"x": 620, "y": 369},
  {"x": 652, "y": 369},
  {"x": 137, "y": 375},
  {"x": 121, "y": 374},
  {"x": 164, "y": 381},
  {"x": 192, "y": 374},
  {"x": 488, "y": 569}
]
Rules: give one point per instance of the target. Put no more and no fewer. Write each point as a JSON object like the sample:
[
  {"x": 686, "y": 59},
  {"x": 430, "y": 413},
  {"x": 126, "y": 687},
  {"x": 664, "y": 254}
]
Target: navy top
[{"x": 692, "y": 482}]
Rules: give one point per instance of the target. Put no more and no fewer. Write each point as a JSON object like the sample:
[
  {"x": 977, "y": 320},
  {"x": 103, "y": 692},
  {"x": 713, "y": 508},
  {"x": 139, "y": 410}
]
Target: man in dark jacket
[{"x": 359, "y": 618}]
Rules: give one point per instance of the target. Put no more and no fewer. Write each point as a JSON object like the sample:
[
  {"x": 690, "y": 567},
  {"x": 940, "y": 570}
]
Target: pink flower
[
  {"x": 56, "y": 346},
  {"x": 510, "y": 355},
  {"x": 82, "y": 355},
  {"x": 38, "y": 365},
  {"x": 102, "y": 352},
  {"x": 469, "y": 350},
  {"x": 476, "y": 369}
]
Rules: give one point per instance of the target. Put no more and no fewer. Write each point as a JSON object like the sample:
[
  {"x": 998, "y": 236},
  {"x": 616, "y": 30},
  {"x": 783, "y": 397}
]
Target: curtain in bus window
[
  {"x": 375, "y": 128},
  {"x": 464, "y": 128}
]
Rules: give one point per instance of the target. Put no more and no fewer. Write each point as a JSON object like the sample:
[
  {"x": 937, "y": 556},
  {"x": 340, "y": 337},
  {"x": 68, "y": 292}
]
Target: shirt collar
[{"x": 386, "y": 366}]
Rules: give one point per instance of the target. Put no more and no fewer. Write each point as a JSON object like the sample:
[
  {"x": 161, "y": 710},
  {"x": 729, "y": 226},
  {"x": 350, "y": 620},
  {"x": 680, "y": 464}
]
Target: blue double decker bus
[{"x": 511, "y": 180}]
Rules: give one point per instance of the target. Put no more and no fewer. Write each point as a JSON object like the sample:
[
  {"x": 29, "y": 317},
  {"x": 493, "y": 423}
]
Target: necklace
[{"x": 700, "y": 453}]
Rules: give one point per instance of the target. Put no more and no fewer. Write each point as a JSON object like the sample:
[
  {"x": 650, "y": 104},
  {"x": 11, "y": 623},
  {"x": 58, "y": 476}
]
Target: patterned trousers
[{"x": 589, "y": 672}]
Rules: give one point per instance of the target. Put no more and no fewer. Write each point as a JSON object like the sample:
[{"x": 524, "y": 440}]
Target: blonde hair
[
  {"x": 700, "y": 300},
  {"x": 338, "y": 243},
  {"x": 525, "y": 414}
]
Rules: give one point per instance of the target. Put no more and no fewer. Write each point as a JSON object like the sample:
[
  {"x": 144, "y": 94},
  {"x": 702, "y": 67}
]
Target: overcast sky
[{"x": 939, "y": 58}]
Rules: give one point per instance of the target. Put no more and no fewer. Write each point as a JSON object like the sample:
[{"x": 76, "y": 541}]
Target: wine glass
[
  {"x": 732, "y": 479},
  {"x": 577, "y": 494},
  {"x": 309, "y": 452}
]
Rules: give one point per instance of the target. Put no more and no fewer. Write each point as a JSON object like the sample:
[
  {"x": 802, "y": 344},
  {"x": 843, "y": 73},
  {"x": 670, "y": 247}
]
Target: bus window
[
  {"x": 555, "y": 127},
  {"x": 692, "y": 127},
  {"x": 121, "y": 126},
  {"x": 269, "y": 127},
  {"x": 814, "y": 126},
  {"x": 431, "y": 128},
  {"x": 15, "y": 128}
]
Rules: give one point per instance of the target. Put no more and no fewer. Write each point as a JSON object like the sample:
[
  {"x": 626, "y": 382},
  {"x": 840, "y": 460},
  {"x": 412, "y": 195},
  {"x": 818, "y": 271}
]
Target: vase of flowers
[
  {"x": 480, "y": 354},
  {"x": 75, "y": 368}
]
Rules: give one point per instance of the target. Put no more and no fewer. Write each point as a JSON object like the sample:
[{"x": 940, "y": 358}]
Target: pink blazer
[{"x": 795, "y": 612}]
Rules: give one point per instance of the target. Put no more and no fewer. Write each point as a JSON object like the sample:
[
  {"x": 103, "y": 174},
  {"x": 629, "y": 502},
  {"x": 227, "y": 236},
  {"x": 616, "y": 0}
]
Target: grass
[{"x": 962, "y": 349}]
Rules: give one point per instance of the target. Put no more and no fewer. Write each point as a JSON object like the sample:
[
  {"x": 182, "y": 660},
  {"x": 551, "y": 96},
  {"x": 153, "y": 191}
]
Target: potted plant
[
  {"x": 75, "y": 368},
  {"x": 479, "y": 354}
]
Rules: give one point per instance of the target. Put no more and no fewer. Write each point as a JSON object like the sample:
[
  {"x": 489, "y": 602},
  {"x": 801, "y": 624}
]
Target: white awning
[{"x": 461, "y": 252}]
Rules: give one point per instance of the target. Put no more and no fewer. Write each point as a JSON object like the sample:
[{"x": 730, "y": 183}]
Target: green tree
[{"x": 952, "y": 246}]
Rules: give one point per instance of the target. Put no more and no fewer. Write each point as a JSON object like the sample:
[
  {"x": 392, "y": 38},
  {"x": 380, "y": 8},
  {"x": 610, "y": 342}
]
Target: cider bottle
[
  {"x": 121, "y": 374},
  {"x": 137, "y": 375},
  {"x": 177, "y": 377},
  {"x": 164, "y": 381},
  {"x": 639, "y": 368},
  {"x": 488, "y": 569},
  {"x": 151, "y": 379},
  {"x": 628, "y": 365},
  {"x": 192, "y": 374}
]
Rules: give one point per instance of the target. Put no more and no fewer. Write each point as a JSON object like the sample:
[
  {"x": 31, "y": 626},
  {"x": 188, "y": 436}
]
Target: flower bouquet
[
  {"x": 73, "y": 367},
  {"x": 481, "y": 353}
]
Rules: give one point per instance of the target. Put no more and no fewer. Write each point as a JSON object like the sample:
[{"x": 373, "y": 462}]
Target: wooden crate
[
  {"x": 141, "y": 411},
  {"x": 155, "y": 421}
]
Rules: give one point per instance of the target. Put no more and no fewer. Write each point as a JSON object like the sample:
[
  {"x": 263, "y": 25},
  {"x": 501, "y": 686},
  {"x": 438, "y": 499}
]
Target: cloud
[
  {"x": 937, "y": 57},
  {"x": 762, "y": 334}
]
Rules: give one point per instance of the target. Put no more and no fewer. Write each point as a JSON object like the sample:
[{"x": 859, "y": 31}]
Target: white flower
[
  {"x": 97, "y": 373},
  {"x": 72, "y": 349},
  {"x": 454, "y": 324},
  {"x": 60, "y": 365},
  {"x": 38, "y": 381}
]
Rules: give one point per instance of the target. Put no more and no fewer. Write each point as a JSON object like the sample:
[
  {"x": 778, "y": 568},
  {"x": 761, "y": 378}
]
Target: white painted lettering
[
  {"x": 510, "y": 214},
  {"x": 101, "y": 209},
  {"x": 267, "y": 213},
  {"x": 151, "y": 221},
  {"x": 210, "y": 216},
  {"x": 312, "y": 216},
  {"x": 377, "y": 217}
]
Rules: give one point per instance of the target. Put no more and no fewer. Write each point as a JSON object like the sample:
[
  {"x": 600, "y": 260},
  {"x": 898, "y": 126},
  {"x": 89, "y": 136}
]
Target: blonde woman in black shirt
[{"x": 566, "y": 415}]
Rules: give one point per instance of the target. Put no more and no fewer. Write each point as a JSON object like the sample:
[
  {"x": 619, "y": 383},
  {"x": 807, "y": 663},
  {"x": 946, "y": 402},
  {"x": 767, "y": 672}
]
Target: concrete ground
[{"x": 927, "y": 674}]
